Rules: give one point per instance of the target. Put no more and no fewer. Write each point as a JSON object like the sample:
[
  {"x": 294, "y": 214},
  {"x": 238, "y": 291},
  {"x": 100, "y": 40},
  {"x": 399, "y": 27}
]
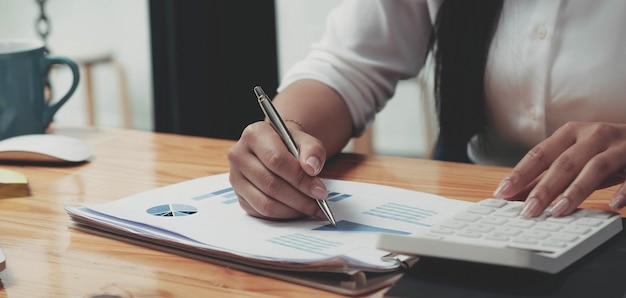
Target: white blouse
[{"x": 550, "y": 62}]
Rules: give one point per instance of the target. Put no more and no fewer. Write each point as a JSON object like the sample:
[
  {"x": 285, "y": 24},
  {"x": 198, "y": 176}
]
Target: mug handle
[{"x": 52, "y": 109}]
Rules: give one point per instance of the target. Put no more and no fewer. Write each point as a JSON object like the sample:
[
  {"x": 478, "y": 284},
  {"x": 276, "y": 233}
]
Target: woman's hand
[
  {"x": 269, "y": 181},
  {"x": 567, "y": 167}
]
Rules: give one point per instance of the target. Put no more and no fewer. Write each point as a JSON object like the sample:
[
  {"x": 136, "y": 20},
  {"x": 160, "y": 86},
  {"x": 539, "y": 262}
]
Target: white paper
[{"x": 205, "y": 213}]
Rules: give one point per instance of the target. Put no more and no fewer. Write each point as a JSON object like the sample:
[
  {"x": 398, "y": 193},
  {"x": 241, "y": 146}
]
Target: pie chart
[{"x": 172, "y": 210}]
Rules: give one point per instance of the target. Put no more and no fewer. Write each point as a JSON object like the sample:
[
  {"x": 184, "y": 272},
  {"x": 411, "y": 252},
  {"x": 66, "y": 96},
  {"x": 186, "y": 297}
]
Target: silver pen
[{"x": 271, "y": 113}]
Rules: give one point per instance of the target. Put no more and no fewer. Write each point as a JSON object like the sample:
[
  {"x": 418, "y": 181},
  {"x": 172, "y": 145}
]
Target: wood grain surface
[{"x": 47, "y": 258}]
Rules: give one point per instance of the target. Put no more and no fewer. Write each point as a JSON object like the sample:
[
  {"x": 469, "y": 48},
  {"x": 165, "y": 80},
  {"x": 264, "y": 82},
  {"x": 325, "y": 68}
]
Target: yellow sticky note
[{"x": 13, "y": 184}]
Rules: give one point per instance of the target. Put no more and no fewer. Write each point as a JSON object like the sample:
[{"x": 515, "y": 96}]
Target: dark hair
[{"x": 460, "y": 42}]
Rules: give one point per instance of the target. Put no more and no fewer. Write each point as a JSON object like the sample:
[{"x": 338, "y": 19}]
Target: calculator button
[
  {"x": 494, "y": 220},
  {"x": 563, "y": 220},
  {"x": 548, "y": 226},
  {"x": 454, "y": 224},
  {"x": 497, "y": 237},
  {"x": 564, "y": 237},
  {"x": 580, "y": 230},
  {"x": 467, "y": 217},
  {"x": 536, "y": 234},
  {"x": 599, "y": 214},
  {"x": 469, "y": 234},
  {"x": 508, "y": 231},
  {"x": 442, "y": 230},
  {"x": 553, "y": 243},
  {"x": 590, "y": 222},
  {"x": 494, "y": 203},
  {"x": 480, "y": 210},
  {"x": 481, "y": 228},
  {"x": 521, "y": 223},
  {"x": 525, "y": 240},
  {"x": 511, "y": 211}
]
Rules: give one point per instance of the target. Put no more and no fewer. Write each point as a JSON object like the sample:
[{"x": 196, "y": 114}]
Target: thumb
[{"x": 312, "y": 152}]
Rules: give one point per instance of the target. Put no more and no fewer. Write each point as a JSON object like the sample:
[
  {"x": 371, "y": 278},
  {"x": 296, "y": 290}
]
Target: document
[{"x": 203, "y": 216}]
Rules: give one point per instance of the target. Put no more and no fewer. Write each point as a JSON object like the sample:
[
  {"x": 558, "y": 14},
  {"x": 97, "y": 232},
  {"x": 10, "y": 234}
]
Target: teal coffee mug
[{"x": 24, "y": 67}]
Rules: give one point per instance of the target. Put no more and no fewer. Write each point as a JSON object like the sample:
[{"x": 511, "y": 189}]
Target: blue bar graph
[
  {"x": 348, "y": 226},
  {"x": 227, "y": 193}
]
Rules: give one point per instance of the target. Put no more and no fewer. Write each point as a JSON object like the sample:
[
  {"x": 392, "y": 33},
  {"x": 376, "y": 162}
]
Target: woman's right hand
[{"x": 270, "y": 182}]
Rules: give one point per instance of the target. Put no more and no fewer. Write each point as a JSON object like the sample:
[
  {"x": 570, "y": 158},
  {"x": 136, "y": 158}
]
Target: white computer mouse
[{"x": 44, "y": 148}]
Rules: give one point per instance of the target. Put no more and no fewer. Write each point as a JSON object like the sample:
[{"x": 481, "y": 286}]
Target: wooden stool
[{"x": 88, "y": 56}]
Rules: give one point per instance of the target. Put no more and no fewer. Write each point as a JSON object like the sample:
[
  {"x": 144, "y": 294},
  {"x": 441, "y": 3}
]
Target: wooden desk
[{"x": 46, "y": 258}]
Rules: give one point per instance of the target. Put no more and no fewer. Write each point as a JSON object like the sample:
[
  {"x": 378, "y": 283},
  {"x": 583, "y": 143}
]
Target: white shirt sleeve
[
  {"x": 550, "y": 62},
  {"x": 368, "y": 46}
]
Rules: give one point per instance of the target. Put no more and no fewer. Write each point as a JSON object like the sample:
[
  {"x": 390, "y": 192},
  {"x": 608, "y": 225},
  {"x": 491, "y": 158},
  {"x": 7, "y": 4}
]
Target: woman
[{"x": 535, "y": 84}]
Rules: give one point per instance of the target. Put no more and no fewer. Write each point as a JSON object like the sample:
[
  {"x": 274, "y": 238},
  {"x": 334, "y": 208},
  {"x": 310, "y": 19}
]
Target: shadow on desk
[{"x": 599, "y": 274}]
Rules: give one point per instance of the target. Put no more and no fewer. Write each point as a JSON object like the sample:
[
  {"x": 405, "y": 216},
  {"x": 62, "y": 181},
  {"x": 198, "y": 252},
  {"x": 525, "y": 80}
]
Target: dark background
[{"x": 207, "y": 56}]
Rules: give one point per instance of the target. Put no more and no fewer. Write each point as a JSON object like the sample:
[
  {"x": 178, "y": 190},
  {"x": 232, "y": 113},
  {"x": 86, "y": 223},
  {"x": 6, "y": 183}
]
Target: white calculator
[{"x": 492, "y": 231}]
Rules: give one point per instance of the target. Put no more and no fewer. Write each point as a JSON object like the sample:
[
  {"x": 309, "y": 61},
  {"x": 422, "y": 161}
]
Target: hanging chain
[{"x": 42, "y": 24}]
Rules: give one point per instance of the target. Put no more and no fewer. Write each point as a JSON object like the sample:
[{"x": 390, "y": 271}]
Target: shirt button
[
  {"x": 541, "y": 32},
  {"x": 533, "y": 113}
]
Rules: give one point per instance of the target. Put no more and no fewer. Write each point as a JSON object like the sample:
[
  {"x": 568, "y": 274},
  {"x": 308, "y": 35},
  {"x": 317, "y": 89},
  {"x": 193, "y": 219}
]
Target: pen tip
[{"x": 259, "y": 92}]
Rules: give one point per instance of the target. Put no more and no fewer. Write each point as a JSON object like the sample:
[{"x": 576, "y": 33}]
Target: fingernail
[
  {"x": 617, "y": 202},
  {"x": 314, "y": 163},
  {"x": 502, "y": 189},
  {"x": 319, "y": 193},
  {"x": 560, "y": 207},
  {"x": 530, "y": 208}
]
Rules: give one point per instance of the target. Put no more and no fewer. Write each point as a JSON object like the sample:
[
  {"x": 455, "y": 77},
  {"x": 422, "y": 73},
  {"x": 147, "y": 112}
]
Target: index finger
[{"x": 534, "y": 164}]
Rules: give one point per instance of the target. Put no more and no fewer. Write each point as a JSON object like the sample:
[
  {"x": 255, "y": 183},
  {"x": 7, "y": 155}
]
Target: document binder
[
  {"x": 352, "y": 283},
  {"x": 201, "y": 219}
]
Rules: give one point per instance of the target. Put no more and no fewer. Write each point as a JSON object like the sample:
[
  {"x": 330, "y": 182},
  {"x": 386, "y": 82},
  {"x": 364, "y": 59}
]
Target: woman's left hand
[{"x": 568, "y": 166}]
